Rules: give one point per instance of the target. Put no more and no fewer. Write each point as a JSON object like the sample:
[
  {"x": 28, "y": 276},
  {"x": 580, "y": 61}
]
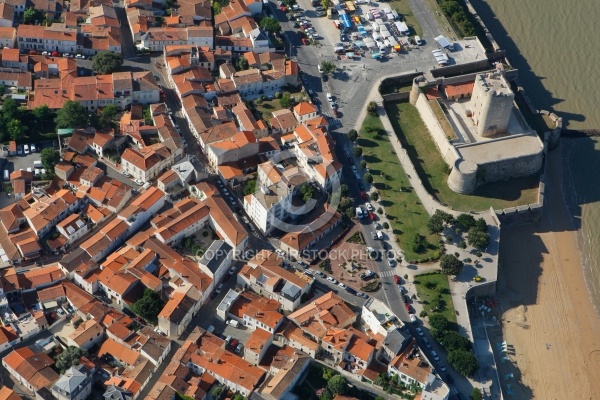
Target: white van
[
  {"x": 380, "y": 45},
  {"x": 37, "y": 164},
  {"x": 233, "y": 322},
  {"x": 375, "y": 26},
  {"x": 329, "y": 97},
  {"x": 418, "y": 40},
  {"x": 379, "y": 235},
  {"x": 358, "y": 212},
  {"x": 370, "y": 16}
]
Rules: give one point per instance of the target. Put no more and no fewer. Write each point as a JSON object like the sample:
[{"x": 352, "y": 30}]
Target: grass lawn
[
  {"x": 433, "y": 171},
  {"x": 428, "y": 295},
  {"x": 442, "y": 119},
  {"x": 266, "y": 107},
  {"x": 407, "y": 216},
  {"x": 401, "y": 7}
]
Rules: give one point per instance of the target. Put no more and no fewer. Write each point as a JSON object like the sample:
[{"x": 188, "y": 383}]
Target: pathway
[{"x": 463, "y": 282}]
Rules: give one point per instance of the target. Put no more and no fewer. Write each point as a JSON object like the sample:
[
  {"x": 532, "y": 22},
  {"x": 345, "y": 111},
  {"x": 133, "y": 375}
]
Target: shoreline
[
  {"x": 571, "y": 201},
  {"x": 547, "y": 314}
]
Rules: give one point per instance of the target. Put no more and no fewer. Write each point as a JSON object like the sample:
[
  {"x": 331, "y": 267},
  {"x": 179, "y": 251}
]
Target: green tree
[
  {"x": 357, "y": 151},
  {"x": 149, "y": 306},
  {"x": 439, "y": 322},
  {"x": 375, "y": 196},
  {"x": 372, "y": 108},
  {"x": 363, "y": 164},
  {"x": 72, "y": 115},
  {"x": 69, "y": 357},
  {"x": 450, "y": 264},
  {"x": 476, "y": 394},
  {"x": 31, "y": 15},
  {"x": 328, "y": 373},
  {"x": 250, "y": 187},
  {"x": 352, "y": 135},
  {"x": 15, "y": 129},
  {"x": 454, "y": 341},
  {"x": 344, "y": 190},
  {"x": 368, "y": 178},
  {"x": 10, "y": 109},
  {"x": 110, "y": 111},
  {"x": 419, "y": 243},
  {"x": 49, "y": 158},
  {"x": 435, "y": 223},
  {"x": 238, "y": 396},
  {"x": 107, "y": 62},
  {"x": 242, "y": 64},
  {"x": 464, "y": 362},
  {"x": 337, "y": 385},
  {"x": 307, "y": 191},
  {"x": 478, "y": 239},
  {"x": 481, "y": 225},
  {"x": 286, "y": 100},
  {"x": 465, "y": 221},
  {"x": 43, "y": 115},
  {"x": 328, "y": 67},
  {"x": 270, "y": 25}
]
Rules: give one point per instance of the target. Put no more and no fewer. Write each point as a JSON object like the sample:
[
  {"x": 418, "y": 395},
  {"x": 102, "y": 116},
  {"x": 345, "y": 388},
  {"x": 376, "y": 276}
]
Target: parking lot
[{"x": 24, "y": 161}]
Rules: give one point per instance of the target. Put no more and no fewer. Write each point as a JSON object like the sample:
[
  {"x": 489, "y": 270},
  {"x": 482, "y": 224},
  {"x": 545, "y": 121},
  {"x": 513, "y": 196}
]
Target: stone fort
[{"x": 478, "y": 128}]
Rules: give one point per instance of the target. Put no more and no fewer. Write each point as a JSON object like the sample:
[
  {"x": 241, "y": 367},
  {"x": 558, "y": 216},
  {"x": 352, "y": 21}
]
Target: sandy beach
[{"x": 547, "y": 313}]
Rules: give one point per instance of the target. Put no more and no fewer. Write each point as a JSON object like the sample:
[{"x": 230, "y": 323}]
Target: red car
[
  {"x": 55, "y": 54},
  {"x": 396, "y": 279},
  {"x": 372, "y": 216},
  {"x": 283, "y": 8},
  {"x": 407, "y": 306},
  {"x": 335, "y": 113},
  {"x": 363, "y": 196},
  {"x": 305, "y": 41}
]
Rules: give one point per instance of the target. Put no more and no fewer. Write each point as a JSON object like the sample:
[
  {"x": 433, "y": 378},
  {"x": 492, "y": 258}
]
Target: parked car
[
  {"x": 26, "y": 148},
  {"x": 363, "y": 295},
  {"x": 420, "y": 331},
  {"x": 238, "y": 348},
  {"x": 19, "y": 150},
  {"x": 332, "y": 280},
  {"x": 231, "y": 270},
  {"x": 319, "y": 273},
  {"x": 343, "y": 286},
  {"x": 33, "y": 148}
]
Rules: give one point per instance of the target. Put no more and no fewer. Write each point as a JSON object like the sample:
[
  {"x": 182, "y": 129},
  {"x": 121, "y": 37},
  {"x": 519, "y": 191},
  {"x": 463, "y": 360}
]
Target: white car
[
  {"x": 320, "y": 68},
  {"x": 139, "y": 182},
  {"x": 342, "y": 285},
  {"x": 33, "y": 149},
  {"x": 420, "y": 331},
  {"x": 413, "y": 317},
  {"x": 332, "y": 280},
  {"x": 26, "y": 149},
  {"x": 370, "y": 207}
]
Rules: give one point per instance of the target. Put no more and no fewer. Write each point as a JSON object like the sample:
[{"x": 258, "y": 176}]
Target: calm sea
[{"x": 554, "y": 45}]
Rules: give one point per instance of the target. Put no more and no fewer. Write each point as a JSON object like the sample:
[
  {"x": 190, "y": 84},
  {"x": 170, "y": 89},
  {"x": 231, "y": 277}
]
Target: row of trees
[
  {"x": 459, "y": 15},
  {"x": 457, "y": 346}
]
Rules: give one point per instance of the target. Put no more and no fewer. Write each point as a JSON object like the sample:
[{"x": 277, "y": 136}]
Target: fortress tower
[{"x": 491, "y": 103}]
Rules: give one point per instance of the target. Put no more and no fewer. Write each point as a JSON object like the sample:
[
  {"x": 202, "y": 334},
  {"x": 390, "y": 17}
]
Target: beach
[{"x": 548, "y": 315}]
